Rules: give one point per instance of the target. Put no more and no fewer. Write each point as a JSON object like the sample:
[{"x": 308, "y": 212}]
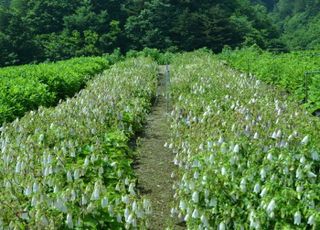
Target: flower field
[
  {"x": 287, "y": 70},
  {"x": 25, "y": 88},
  {"x": 248, "y": 156},
  {"x": 70, "y": 166}
]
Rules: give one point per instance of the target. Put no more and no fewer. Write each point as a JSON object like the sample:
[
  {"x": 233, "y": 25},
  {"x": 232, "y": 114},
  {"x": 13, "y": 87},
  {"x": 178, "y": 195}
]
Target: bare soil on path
[{"x": 154, "y": 163}]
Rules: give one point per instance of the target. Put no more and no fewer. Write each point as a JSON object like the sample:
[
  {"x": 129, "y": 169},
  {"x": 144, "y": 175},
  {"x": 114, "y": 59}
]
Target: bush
[
  {"x": 155, "y": 54},
  {"x": 27, "y": 87}
]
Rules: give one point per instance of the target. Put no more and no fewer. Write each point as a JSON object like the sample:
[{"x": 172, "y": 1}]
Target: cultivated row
[
  {"x": 25, "y": 88},
  {"x": 247, "y": 156},
  {"x": 70, "y": 166}
]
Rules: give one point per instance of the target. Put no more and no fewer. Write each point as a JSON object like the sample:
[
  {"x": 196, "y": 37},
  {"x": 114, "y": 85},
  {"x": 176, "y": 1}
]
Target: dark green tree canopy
[
  {"x": 40, "y": 30},
  {"x": 298, "y": 21}
]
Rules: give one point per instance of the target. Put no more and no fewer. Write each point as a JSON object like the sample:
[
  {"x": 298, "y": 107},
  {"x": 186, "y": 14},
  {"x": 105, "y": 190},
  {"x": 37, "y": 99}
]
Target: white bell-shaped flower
[
  {"x": 305, "y": 140},
  {"x": 104, "y": 202},
  {"x": 311, "y": 220},
  {"x": 195, "y": 197},
  {"x": 315, "y": 155},
  {"x": 263, "y": 192},
  {"x": 271, "y": 206},
  {"x": 222, "y": 226},
  {"x": 204, "y": 221},
  {"x": 69, "y": 221},
  {"x": 195, "y": 214},
  {"x": 236, "y": 148},
  {"x": 297, "y": 218},
  {"x": 182, "y": 205},
  {"x": 257, "y": 188}
]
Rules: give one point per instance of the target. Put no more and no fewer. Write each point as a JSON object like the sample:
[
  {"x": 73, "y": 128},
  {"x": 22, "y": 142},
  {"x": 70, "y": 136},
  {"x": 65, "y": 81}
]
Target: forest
[{"x": 33, "y": 31}]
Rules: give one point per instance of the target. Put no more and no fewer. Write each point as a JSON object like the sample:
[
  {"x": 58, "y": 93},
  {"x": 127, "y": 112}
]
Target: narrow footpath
[{"x": 155, "y": 163}]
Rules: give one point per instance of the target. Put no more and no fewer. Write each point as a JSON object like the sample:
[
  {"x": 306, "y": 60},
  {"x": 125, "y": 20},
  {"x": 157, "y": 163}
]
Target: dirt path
[{"x": 155, "y": 163}]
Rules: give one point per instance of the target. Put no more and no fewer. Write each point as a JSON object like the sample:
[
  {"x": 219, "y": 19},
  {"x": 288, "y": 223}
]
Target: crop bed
[
  {"x": 248, "y": 156},
  {"x": 70, "y": 166},
  {"x": 25, "y": 88},
  {"x": 296, "y": 72}
]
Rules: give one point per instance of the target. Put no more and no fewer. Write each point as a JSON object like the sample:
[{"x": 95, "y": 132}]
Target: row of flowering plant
[
  {"x": 25, "y": 88},
  {"x": 248, "y": 156},
  {"x": 291, "y": 71},
  {"x": 70, "y": 166}
]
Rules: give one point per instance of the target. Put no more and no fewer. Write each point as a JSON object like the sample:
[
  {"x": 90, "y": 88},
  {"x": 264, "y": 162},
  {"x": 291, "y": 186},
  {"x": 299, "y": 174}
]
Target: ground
[{"x": 155, "y": 163}]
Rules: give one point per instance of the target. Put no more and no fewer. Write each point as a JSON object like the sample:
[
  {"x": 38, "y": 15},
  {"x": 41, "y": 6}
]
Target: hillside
[
  {"x": 297, "y": 20},
  {"x": 40, "y": 30}
]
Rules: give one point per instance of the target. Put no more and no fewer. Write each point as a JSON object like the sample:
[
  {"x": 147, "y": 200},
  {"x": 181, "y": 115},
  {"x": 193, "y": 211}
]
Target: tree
[
  {"x": 150, "y": 27},
  {"x": 110, "y": 41},
  {"x": 41, "y": 30},
  {"x": 7, "y": 56},
  {"x": 47, "y": 16},
  {"x": 299, "y": 22},
  {"x": 21, "y": 38},
  {"x": 85, "y": 18}
]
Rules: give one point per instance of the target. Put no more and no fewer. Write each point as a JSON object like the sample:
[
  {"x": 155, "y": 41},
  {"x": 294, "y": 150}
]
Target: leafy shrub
[
  {"x": 114, "y": 57},
  {"x": 155, "y": 54},
  {"x": 27, "y": 87}
]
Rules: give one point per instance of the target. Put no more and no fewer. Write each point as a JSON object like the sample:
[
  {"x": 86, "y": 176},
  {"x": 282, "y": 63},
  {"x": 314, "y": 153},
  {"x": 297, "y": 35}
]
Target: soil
[{"x": 154, "y": 163}]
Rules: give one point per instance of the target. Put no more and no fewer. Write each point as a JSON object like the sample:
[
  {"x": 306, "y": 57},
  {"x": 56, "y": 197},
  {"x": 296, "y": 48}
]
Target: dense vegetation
[
  {"x": 297, "y": 20},
  {"x": 248, "y": 157},
  {"x": 70, "y": 166},
  {"x": 39, "y": 30},
  {"x": 297, "y": 72},
  {"x": 247, "y": 153},
  {"x": 25, "y": 88}
]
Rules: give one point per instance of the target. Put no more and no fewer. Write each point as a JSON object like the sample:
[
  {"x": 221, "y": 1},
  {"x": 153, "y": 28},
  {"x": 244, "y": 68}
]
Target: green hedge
[{"x": 25, "y": 88}]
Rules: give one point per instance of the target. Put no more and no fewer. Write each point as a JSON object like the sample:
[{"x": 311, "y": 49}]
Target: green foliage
[
  {"x": 285, "y": 70},
  {"x": 25, "y": 88},
  {"x": 85, "y": 19},
  {"x": 59, "y": 46},
  {"x": 301, "y": 32},
  {"x": 297, "y": 20},
  {"x": 158, "y": 56},
  {"x": 248, "y": 156},
  {"x": 56, "y": 30},
  {"x": 189, "y": 25},
  {"x": 114, "y": 57},
  {"x": 41, "y": 30},
  {"x": 72, "y": 163},
  {"x": 110, "y": 40},
  {"x": 6, "y": 57},
  {"x": 151, "y": 26}
]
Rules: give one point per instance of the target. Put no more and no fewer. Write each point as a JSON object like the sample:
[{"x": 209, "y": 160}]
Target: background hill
[
  {"x": 40, "y": 30},
  {"x": 297, "y": 20}
]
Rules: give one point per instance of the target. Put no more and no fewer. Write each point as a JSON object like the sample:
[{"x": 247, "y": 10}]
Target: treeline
[
  {"x": 297, "y": 20},
  {"x": 41, "y": 30}
]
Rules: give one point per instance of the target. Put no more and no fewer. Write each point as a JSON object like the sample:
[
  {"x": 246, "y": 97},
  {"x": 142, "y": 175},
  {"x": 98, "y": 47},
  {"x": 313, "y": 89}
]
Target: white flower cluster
[
  {"x": 64, "y": 166},
  {"x": 248, "y": 157}
]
